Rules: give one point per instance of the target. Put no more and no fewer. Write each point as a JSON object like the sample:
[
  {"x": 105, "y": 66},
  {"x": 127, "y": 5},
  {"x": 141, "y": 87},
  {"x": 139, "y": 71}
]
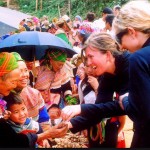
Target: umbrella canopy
[{"x": 32, "y": 44}]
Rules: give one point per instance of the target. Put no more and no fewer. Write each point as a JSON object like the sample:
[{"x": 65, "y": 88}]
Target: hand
[
  {"x": 70, "y": 111},
  {"x": 121, "y": 97},
  {"x": 69, "y": 124},
  {"x": 59, "y": 130},
  {"x": 93, "y": 82},
  {"x": 6, "y": 114},
  {"x": 81, "y": 74},
  {"x": 46, "y": 144}
]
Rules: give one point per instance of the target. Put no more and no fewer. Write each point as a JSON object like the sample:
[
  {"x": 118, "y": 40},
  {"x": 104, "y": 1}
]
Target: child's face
[
  {"x": 54, "y": 113},
  {"x": 19, "y": 113}
]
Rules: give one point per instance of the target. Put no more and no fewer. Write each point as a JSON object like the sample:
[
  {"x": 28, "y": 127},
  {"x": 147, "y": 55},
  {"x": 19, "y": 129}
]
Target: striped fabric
[
  {"x": 7, "y": 63},
  {"x": 33, "y": 101},
  {"x": 47, "y": 80}
]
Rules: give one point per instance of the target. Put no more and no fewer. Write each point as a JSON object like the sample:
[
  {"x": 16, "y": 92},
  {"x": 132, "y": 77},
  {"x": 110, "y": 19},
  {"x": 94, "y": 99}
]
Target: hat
[
  {"x": 54, "y": 19},
  {"x": 7, "y": 63},
  {"x": 35, "y": 19},
  {"x": 107, "y": 10},
  {"x": 66, "y": 18},
  {"x": 60, "y": 21},
  {"x": 57, "y": 55},
  {"x": 17, "y": 56},
  {"x": 79, "y": 18},
  {"x": 29, "y": 20}
]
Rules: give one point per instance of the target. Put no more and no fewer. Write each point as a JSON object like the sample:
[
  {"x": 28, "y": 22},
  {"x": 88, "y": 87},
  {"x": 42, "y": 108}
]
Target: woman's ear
[
  {"x": 109, "y": 56},
  {"x": 131, "y": 32}
]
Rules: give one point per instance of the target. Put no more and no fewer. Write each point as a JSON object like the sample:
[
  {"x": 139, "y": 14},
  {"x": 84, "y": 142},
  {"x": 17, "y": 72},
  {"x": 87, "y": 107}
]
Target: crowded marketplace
[{"x": 75, "y": 83}]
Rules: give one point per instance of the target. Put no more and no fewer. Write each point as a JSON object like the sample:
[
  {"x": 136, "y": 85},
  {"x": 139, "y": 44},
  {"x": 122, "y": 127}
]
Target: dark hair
[
  {"x": 117, "y": 7},
  {"x": 90, "y": 16},
  {"x": 12, "y": 98},
  {"x": 109, "y": 19},
  {"x": 53, "y": 106},
  {"x": 107, "y": 10},
  {"x": 84, "y": 35}
]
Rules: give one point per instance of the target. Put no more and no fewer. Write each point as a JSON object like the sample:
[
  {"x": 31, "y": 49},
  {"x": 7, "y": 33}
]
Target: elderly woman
[
  {"x": 53, "y": 77},
  {"x": 132, "y": 28},
  {"x": 9, "y": 74}
]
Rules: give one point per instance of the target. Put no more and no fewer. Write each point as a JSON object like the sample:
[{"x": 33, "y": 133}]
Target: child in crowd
[
  {"x": 54, "y": 112},
  {"x": 19, "y": 120}
]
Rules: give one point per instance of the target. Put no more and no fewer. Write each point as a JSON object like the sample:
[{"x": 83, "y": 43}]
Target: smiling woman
[{"x": 9, "y": 73}]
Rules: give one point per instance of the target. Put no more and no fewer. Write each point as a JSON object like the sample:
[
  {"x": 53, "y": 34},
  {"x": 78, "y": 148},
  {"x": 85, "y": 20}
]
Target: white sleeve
[{"x": 81, "y": 98}]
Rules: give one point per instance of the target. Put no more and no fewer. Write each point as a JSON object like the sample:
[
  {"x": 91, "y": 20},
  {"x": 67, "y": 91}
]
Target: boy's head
[
  {"x": 54, "y": 111},
  {"x": 17, "y": 108},
  {"x": 108, "y": 21}
]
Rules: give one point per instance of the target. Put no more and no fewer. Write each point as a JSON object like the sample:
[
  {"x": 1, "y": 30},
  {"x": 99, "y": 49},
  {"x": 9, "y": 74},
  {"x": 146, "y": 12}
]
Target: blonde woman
[{"x": 132, "y": 29}]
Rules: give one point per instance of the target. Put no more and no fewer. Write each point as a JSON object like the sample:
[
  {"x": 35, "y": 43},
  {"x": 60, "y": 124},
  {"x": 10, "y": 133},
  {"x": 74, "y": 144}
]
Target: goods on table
[{"x": 70, "y": 141}]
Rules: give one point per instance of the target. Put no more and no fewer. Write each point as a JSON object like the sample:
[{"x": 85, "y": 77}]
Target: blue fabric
[
  {"x": 43, "y": 115},
  {"x": 61, "y": 104}
]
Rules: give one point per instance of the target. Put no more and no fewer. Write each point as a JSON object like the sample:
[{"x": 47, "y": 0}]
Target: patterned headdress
[
  {"x": 57, "y": 55},
  {"x": 7, "y": 63},
  {"x": 17, "y": 56}
]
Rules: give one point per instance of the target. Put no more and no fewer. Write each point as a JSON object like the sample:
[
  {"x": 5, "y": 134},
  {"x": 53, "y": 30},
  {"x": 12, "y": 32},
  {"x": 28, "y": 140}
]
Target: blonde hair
[
  {"x": 103, "y": 42},
  {"x": 135, "y": 14}
]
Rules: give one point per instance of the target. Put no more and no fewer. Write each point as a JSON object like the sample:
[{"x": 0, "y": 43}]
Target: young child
[
  {"x": 54, "y": 112},
  {"x": 19, "y": 120}
]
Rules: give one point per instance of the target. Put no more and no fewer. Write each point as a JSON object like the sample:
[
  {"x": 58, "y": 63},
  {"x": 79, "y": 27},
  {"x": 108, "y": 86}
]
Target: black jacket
[
  {"x": 92, "y": 114},
  {"x": 10, "y": 139}
]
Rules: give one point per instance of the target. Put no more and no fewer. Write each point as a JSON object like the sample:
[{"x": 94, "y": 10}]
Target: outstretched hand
[
  {"x": 59, "y": 130},
  {"x": 69, "y": 112}
]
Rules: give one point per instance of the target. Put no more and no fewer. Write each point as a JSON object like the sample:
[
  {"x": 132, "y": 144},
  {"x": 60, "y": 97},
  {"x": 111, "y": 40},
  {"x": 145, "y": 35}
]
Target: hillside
[{"x": 56, "y": 8}]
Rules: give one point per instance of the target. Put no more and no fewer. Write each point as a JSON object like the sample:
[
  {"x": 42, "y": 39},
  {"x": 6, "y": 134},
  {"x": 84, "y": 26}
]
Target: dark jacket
[
  {"x": 118, "y": 82},
  {"x": 137, "y": 104},
  {"x": 10, "y": 139},
  {"x": 109, "y": 84}
]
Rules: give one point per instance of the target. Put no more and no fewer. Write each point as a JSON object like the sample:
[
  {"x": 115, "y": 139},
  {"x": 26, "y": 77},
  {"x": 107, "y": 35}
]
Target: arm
[
  {"x": 93, "y": 82},
  {"x": 138, "y": 99},
  {"x": 54, "y": 132},
  {"x": 90, "y": 114}
]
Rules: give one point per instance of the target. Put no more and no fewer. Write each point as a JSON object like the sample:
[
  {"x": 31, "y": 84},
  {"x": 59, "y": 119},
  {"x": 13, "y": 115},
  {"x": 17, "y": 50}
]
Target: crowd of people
[{"x": 90, "y": 93}]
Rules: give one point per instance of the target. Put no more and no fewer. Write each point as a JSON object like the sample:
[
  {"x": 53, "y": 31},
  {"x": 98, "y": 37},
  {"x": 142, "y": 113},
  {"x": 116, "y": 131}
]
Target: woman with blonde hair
[{"x": 132, "y": 29}]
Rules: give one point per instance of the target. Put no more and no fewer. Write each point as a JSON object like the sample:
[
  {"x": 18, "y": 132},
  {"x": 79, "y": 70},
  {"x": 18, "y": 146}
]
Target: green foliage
[
  {"x": 3, "y": 4},
  {"x": 78, "y": 7},
  {"x": 71, "y": 100}
]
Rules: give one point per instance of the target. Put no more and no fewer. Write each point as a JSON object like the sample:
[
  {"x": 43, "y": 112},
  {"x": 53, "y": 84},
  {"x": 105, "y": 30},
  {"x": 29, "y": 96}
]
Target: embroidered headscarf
[
  {"x": 57, "y": 55},
  {"x": 7, "y": 63},
  {"x": 17, "y": 56}
]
